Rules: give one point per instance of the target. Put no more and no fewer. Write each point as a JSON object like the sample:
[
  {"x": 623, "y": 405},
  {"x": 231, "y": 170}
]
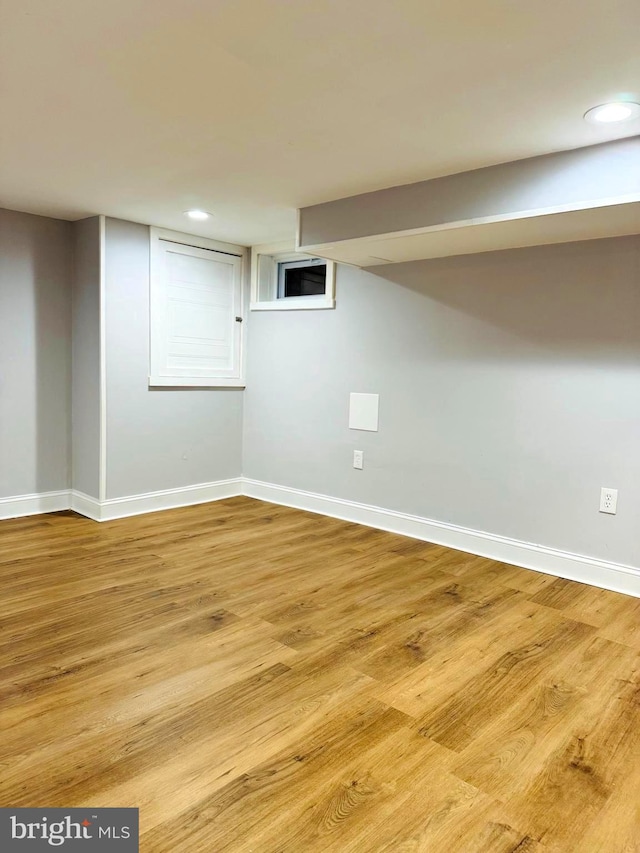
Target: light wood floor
[{"x": 256, "y": 678}]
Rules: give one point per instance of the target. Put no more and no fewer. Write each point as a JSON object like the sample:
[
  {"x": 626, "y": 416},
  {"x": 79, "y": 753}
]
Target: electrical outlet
[
  {"x": 358, "y": 459},
  {"x": 609, "y": 501}
]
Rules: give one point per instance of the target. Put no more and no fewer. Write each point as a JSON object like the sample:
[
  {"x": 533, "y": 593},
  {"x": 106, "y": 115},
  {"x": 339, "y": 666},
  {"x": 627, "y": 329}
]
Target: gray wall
[
  {"x": 86, "y": 358},
  {"x": 510, "y": 393},
  {"x": 149, "y": 431},
  {"x": 35, "y": 353}
]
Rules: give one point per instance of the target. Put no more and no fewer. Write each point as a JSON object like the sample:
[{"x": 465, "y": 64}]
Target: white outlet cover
[
  {"x": 363, "y": 411},
  {"x": 609, "y": 501}
]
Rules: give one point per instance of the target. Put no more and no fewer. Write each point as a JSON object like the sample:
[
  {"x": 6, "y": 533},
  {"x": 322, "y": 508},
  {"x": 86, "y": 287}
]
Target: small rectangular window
[
  {"x": 302, "y": 278},
  {"x": 282, "y": 279}
]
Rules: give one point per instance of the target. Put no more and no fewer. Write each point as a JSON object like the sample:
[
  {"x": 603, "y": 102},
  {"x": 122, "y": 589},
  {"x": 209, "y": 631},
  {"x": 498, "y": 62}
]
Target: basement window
[
  {"x": 282, "y": 279},
  {"x": 302, "y": 278}
]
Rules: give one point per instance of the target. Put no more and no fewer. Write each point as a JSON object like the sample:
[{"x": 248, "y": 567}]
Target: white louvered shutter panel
[{"x": 196, "y": 300}]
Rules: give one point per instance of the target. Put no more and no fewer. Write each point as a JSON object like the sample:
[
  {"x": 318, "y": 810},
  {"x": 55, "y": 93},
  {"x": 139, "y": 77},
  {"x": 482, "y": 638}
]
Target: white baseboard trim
[
  {"x": 113, "y": 508},
  {"x": 600, "y": 573},
  {"x": 20, "y": 505},
  {"x": 85, "y": 505}
]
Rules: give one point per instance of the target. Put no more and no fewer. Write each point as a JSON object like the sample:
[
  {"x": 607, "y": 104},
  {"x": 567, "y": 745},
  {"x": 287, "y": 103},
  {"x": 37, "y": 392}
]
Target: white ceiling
[{"x": 251, "y": 108}]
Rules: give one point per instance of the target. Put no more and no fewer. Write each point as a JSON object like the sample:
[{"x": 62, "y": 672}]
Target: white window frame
[
  {"x": 264, "y": 296},
  {"x": 156, "y": 294}
]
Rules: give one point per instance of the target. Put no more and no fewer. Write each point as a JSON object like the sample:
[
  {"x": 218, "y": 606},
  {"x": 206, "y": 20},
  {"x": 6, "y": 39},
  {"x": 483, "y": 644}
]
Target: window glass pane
[{"x": 305, "y": 281}]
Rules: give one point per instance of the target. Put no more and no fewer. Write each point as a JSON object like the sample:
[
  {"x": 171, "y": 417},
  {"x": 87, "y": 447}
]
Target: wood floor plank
[
  {"x": 487, "y": 636},
  {"x": 256, "y": 678},
  {"x": 488, "y": 693},
  {"x": 596, "y": 752},
  {"x": 518, "y": 743},
  {"x": 245, "y": 810}
]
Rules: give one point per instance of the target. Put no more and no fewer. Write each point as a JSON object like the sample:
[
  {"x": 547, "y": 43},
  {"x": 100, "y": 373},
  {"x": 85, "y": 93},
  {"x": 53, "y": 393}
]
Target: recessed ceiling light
[
  {"x": 619, "y": 111},
  {"x": 197, "y": 214}
]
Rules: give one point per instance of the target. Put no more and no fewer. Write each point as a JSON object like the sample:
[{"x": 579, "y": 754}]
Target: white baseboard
[
  {"x": 154, "y": 501},
  {"x": 85, "y": 505},
  {"x": 25, "y": 505},
  {"x": 20, "y": 505},
  {"x": 600, "y": 573}
]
